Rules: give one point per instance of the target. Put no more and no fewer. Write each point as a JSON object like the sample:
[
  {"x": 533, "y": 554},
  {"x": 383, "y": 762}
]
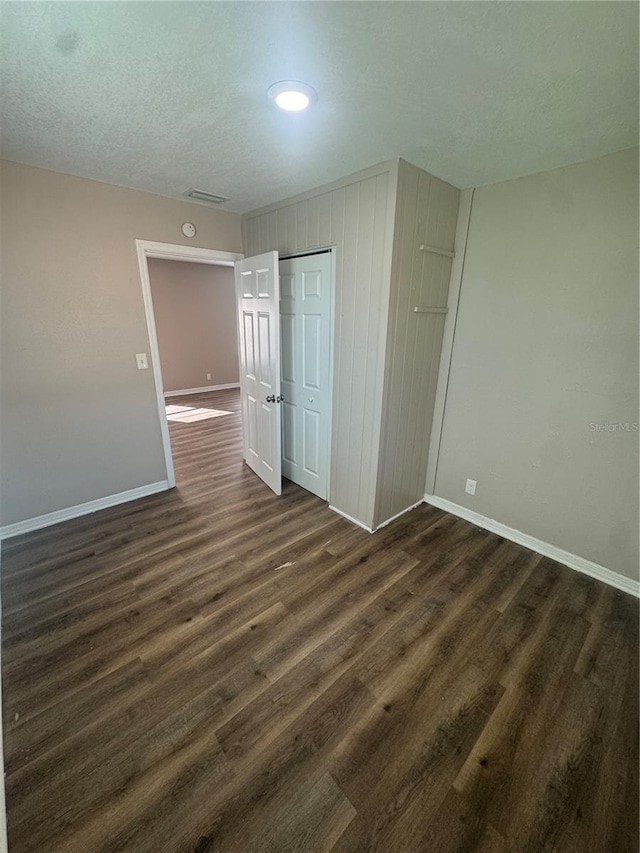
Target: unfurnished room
[{"x": 319, "y": 460}]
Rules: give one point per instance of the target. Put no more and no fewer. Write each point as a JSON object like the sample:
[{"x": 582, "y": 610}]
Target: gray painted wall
[
  {"x": 79, "y": 421},
  {"x": 194, "y": 306},
  {"x": 546, "y": 345}
]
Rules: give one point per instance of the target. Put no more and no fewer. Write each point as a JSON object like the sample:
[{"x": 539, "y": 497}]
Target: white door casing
[
  {"x": 146, "y": 249},
  {"x": 257, "y": 295},
  {"x": 305, "y": 320}
]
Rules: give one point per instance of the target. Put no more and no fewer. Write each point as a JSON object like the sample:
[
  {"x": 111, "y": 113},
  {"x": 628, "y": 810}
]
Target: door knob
[{"x": 271, "y": 398}]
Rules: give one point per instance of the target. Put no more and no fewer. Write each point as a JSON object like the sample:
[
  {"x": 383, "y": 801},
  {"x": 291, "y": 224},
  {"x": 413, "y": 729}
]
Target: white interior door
[
  {"x": 257, "y": 294},
  {"x": 305, "y": 322}
]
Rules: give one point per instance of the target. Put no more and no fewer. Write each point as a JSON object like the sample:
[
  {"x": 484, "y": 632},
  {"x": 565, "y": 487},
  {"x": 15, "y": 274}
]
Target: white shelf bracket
[{"x": 432, "y": 249}]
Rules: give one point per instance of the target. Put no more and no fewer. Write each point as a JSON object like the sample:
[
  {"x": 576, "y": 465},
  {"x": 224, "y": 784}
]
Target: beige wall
[
  {"x": 194, "y": 306},
  {"x": 78, "y": 420},
  {"x": 356, "y": 215},
  {"x": 426, "y": 214},
  {"x": 546, "y": 344}
]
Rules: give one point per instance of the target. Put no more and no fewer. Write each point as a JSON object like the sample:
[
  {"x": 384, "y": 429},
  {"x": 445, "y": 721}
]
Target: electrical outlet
[
  {"x": 470, "y": 488},
  {"x": 208, "y": 376}
]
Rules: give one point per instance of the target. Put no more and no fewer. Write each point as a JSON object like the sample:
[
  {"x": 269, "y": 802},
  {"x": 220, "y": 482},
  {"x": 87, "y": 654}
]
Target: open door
[{"x": 258, "y": 301}]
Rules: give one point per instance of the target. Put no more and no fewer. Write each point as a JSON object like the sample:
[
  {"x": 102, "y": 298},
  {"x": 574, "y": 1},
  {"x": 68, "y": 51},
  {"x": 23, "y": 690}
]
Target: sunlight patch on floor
[{"x": 190, "y": 414}]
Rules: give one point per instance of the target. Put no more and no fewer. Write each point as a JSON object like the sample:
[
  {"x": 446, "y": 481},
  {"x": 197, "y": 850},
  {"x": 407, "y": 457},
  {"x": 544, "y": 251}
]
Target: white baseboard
[
  {"x": 81, "y": 509},
  {"x": 580, "y": 564},
  {"x": 382, "y": 524},
  {"x": 398, "y": 514},
  {"x": 351, "y": 519},
  {"x": 201, "y": 390}
]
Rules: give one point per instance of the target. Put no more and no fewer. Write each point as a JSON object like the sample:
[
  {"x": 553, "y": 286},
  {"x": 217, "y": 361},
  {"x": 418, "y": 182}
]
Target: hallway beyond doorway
[{"x": 206, "y": 435}]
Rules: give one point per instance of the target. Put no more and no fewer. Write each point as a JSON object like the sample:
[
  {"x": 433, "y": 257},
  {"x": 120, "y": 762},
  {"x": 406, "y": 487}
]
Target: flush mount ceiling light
[{"x": 291, "y": 95}]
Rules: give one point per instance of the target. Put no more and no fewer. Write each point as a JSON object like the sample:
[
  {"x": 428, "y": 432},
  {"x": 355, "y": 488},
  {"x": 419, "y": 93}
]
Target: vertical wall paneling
[
  {"x": 386, "y": 357},
  {"x": 393, "y": 369},
  {"x": 426, "y": 215},
  {"x": 337, "y": 234},
  {"x": 324, "y": 219},
  {"x": 356, "y": 216},
  {"x": 382, "y": 265}
]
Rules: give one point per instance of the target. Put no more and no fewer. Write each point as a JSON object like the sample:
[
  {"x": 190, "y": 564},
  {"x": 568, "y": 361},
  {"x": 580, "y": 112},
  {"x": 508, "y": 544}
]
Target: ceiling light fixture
[{"x": 292, "y": 95}]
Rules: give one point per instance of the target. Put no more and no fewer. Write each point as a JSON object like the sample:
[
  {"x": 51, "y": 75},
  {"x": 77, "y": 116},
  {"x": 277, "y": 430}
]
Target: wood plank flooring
[{"x": 218, "y": 669}]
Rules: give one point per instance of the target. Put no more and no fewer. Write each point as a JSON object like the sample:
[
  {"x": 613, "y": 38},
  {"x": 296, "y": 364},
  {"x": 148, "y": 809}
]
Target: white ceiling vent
[{"x": 201, "y": 195}]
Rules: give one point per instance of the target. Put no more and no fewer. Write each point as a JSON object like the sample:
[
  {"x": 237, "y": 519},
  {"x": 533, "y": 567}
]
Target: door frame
[
  {"x": 146, "y": 249},
  {"x": 301, "y": 253}
]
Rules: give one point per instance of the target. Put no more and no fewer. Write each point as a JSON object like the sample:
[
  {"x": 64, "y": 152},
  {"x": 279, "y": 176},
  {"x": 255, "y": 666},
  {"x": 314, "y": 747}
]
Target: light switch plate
[{"x": 141, "y": 360}]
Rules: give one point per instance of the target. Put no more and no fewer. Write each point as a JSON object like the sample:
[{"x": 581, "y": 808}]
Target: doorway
[{"x": 165, "y": 251}]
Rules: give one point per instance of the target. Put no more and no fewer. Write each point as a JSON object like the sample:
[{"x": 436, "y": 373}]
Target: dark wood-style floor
[{"x": 218, "y": 669}]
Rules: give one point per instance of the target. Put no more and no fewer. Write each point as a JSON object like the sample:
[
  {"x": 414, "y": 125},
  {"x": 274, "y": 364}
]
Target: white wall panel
[
  {"x": 356, "y": 216},
  {"x": 426, "y": 214}
]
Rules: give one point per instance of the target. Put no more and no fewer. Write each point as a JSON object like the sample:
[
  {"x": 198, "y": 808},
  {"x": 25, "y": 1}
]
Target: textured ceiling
[{"x": 167, "y": 96}]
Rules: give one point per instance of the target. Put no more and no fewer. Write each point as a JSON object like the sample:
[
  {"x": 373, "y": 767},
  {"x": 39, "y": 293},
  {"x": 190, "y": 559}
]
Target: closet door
[{"x": 305, "y": 319}]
